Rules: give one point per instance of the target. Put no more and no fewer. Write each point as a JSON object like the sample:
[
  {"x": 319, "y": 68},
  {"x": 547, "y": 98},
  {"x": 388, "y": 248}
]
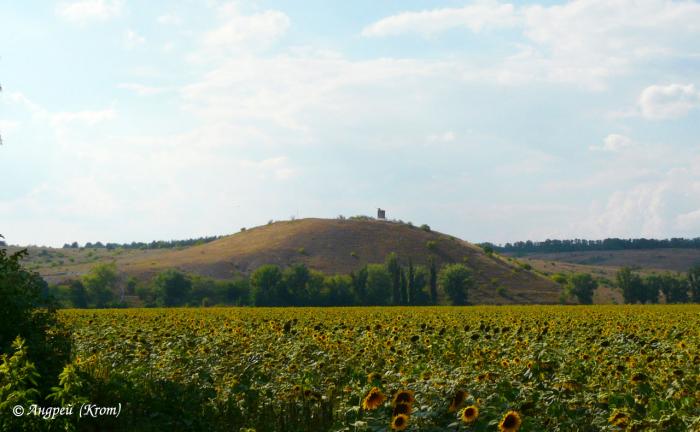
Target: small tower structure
[{"x": 381, "y": 214}]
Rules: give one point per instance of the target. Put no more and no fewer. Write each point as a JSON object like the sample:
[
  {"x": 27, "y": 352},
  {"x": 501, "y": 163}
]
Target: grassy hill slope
[{"x": 328, "y": 245}]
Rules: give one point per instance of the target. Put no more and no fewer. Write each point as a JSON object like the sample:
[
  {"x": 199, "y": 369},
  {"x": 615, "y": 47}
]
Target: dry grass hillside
[
  {"x": 677, "y": 260},
  {"x": 329, "y": 245}
]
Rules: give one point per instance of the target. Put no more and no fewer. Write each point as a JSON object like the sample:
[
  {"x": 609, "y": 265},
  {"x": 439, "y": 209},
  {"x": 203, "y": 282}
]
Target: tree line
[
  {"x": 635, "y": 288},
  {"x": 388, "y": 283},
  {"x": 580, "y": 245},
  {"x": 156, "y": 244}
]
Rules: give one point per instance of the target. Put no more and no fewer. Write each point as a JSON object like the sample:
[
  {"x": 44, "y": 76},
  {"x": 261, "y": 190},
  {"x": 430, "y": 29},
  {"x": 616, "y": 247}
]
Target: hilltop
[{"x": 328, "y": 245}]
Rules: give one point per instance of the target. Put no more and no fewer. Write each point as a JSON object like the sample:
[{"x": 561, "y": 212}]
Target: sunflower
[
  {"x": 469, "y": 414},
  {"x": 402, "y": 408},
  {"x": 404, "y": 396},
  {"x": 639, "y": 377},
  {"x": 457, "y": 400},
  {"x": 510, "y": 423},
  {"x": 374, "y": 399},
  {"x": 400, "y": 422},
  {"x": 619, "y": 418}
]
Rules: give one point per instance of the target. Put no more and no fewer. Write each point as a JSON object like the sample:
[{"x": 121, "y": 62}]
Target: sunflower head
[
  {"x": 401, "y": 408},
  {"x": 639, "y": 377},
  {"x": 510, "y": 423},
  {"x": 619, "y": 418},
  {"x": 404, "y": 396},
  {"x": 400, "y": 422},
  {"x": 457, "y": 400},
  {"x": 469, "y": 414},
  {"x": 374, "y": 399}
]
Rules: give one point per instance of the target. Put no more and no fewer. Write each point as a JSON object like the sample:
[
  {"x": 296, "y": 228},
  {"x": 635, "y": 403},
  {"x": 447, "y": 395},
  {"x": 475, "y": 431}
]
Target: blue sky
[{"x": 492, "y": 121}]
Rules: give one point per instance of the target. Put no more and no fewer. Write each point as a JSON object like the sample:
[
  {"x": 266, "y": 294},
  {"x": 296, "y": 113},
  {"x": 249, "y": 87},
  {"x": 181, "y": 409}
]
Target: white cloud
[
  {"x": 89, "y": 118},
  {"x": 84, "y": 11},
  {"x": 614, "y": 143},
  {"x": 142, "y": 90},
  {"x": 169, "y": 19},
  {"x": 243, "y": 33},
  {"x": 669, "y": 101},
  {"x": 584, "y": 42},
  {"x": 475, "y": 17},
  {"x": 132, "y": 39},
  {"x": 663, "y": 206},
  {"x": 444, "y": 137}
]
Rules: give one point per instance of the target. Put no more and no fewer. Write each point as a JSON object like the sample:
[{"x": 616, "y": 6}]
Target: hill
[
  {"x": 328, "y": 245},
  {"x": 670, "y": 259}
]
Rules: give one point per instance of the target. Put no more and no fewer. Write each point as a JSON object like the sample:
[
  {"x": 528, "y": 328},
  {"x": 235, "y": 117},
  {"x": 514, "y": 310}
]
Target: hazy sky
[{"x": 140, "y": 120}]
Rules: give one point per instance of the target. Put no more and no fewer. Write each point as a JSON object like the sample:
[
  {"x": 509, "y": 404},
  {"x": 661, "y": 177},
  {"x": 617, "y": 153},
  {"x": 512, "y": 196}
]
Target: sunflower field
[{"x": 507, "y": 368}]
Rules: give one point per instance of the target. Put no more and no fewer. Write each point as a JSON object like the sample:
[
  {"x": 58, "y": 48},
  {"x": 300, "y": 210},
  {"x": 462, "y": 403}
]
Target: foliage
[
  {"x": 582, "y": 286},
  {"x": 579, "y": 245},
  {"x": 101, "y": 283},
  {"x": 455, "y": 280}
]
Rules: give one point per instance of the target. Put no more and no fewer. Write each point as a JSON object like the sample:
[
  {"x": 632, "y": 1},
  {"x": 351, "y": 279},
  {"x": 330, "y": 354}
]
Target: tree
[
  {"x": 433, "y": 280},
  {"x": 630, "y": 284},
  {"x": 404, "y": 288},
  {"x": 412, "y": 293},
  {"x": 674, "y": 288},
  {"x": 266, "y": 283},
  {"x": 295, "y": 279},
  {"x": 394, "y": 269},
  {"x": 337, "y": 291},
  {"x": 582, "y": 286},
  {"x": 378, "y": 285},
  {"x": 173, "y": 288},
  {"x": 100, "y": 283},
  {"x": 694, "y": 283},
  {"x": 359, "y": 284},
  {"x": 456, "y": 280},
  {"x": 77, "y": 294},
  {"x": 28, "y": 313}
]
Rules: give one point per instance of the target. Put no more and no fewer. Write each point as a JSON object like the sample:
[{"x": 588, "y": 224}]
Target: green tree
[
  {"x": 394, "y": 269},
  {"x": 359, "y": 284},
  {"x": 420, "y": 282},
  {"x": 266, "y": 284},
  {"x": 582, "y": 286},
  {"x": 101, "y": 283},
  {"x": 694, "y": 283},
  {"x": 77, "y": 294},
  {"x": 456, "y": 280},
  {"x": 404, "y": 287},
  {"x": 172, "y": 288},
  {"x": 337, "y": 291},
  {"x": 411, "y": 281},
  {"x": 378, "y": 285},
  {"x": 631, "y": 285},
  {"x": 433, "y": 279},
  {"x": 28, "y": 313},
  {"x": 296, "y": 279}
]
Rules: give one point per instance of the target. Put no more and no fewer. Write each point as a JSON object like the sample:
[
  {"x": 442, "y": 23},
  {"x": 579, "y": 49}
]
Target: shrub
[
  {"x": 431, "y": 245},
  {"x": 425, "y": 227}
]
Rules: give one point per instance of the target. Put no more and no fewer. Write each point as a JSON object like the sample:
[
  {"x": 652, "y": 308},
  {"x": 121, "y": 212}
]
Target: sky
[{"x": 492, "y": 121}]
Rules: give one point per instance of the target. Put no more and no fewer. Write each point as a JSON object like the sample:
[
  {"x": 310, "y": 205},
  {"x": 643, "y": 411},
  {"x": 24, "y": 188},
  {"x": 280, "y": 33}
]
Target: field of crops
[{"x": 597, "y": 368}]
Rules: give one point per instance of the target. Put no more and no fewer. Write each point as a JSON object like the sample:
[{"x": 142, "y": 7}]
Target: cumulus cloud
[
  {"x": 142, "y": 90},
  {"x": 84, "y": 11},
  {"x": 240, "y": 32},
  {"x": 475, "y": 17},
  {"x": 132, "y": 39},
  {"x": 614, "y": 143},
  {"x": 585, "y": 42},
  {"x": 169, "y": 19},
  {"x": 89, "y": 118},
  {"x": 668, "y": 101}
]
